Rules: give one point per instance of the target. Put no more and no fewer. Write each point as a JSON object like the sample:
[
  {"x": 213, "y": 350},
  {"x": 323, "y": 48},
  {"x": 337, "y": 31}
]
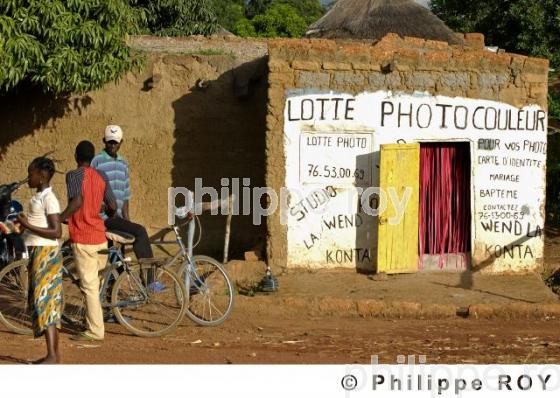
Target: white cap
[{"x": 113, "y": 133}]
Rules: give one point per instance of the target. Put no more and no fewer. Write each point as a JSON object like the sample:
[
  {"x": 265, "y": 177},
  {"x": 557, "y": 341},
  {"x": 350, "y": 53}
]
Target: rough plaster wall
[
  {"x": 396, "y": 64},
  {"x": 173, "y": 132}
]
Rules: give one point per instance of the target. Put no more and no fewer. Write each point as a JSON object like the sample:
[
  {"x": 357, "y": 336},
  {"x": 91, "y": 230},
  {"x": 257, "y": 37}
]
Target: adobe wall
[
  {"x": 309, "y": 79},
  {"x": 174, "y": 130}
]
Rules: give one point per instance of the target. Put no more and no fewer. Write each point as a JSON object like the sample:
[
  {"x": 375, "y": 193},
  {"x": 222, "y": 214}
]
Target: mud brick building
[
  {"x": 453, "y": 135},
  {"x": 327, "y": 120}
]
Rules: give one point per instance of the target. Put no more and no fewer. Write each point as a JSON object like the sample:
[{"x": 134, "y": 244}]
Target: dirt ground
[
  {"x": 246, "y": 340},
  {"x": 263, "y": 329}
]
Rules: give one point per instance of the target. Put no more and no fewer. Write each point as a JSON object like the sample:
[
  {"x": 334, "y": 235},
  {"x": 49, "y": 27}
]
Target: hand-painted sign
[
  {"x": 332, "y": 143},
  {"x": 339, "y": 159}
]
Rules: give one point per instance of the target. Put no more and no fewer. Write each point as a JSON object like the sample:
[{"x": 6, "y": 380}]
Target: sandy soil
[
  {"x": 278, "y": 335},
  {"x": 245, "y": 340}
]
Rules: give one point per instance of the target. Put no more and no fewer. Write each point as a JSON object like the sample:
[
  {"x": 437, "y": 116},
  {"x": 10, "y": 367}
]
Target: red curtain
[{"x": 444, "y": 213}]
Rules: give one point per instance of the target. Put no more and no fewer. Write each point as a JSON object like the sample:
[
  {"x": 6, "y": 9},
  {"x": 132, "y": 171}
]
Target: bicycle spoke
[
  {"x": 162, "y": 305},
  {"x": 149, "y": 308},
  {"x": 211, "y": 295},
  {"x": 14, "y": 298},
  {"x": 216, "y": 308}
]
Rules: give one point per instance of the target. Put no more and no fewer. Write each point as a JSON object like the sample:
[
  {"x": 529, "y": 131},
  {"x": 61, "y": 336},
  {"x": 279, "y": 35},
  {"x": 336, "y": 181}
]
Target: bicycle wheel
[
  {"x": 74, "y": 309},
  {"x": 74, "y": 300},
  {"x": 210, "y": 291},
  {"x": 148, "y": 305},
  {"x": 14, "y": 289}
]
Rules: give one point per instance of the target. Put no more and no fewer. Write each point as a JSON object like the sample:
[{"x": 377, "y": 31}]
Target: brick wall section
[
  {"x": 394, "y": 63},
  {"x": 173, "y": 132}
]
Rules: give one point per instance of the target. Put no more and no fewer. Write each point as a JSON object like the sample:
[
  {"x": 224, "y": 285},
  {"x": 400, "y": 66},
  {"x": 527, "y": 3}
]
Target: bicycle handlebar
[{"x": 8, "y": 189}]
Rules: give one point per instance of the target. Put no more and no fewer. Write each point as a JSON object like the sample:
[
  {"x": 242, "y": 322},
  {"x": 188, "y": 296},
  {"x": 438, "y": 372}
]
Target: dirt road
[{"x": 329, "y": 340}]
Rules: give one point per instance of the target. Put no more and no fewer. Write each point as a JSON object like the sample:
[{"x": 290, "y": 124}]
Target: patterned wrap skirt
[{"x": 45, "y": 287}]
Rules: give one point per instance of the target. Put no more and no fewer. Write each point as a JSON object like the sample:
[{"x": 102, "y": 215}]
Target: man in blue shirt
[{"x": 116, "y": 169}]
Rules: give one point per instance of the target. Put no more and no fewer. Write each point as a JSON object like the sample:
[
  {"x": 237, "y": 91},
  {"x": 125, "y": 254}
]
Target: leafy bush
[
  {"x": 268, "y": 18},
  {"x": 554, "y": 105},
  {"x": 281, "y": 20},
  {"x": 65, "y": 46},
  {"x": 310, "y": 10},
  {"x": 521, "y": 26},
  {"x": 179, "y": 17},
  {"x": 229, "y": 12}
]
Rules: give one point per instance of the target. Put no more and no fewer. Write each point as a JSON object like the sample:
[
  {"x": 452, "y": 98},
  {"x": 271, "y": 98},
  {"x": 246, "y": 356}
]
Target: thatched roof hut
[{"x": 373, "y": 19}]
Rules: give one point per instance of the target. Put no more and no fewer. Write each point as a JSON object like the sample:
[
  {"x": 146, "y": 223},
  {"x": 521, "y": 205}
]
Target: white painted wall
[{"x": 324, "y": 171}]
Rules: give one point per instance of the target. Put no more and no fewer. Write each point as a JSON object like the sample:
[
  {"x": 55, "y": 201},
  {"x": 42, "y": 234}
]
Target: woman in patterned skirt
[{"x": 42, "y": 230}]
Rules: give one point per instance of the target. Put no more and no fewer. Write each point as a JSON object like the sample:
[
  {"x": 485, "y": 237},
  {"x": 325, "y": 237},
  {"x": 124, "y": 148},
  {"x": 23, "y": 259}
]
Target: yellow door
[{"x": 397, "y": 250}]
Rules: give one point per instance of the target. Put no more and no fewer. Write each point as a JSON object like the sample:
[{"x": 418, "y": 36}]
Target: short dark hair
[
  {"x": 43, "y": 164},
  {"x": 85, "y": 151}
]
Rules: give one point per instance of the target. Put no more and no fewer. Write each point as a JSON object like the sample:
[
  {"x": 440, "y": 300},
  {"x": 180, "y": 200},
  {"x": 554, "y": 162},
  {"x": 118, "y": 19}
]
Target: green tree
[
  {"x": 64, "y": 46},
  {"x": 229, "y": 12},
  {"x": 310, "y": 10},
  {"x": 281, "y": 20},
  {"x": 256, "y": 7},
  {"x": 554, "y": 105},
  {"x": 244, "y": 28},
  {"x": 523, "y": 26},
  {"x": 179, "y": 17}
]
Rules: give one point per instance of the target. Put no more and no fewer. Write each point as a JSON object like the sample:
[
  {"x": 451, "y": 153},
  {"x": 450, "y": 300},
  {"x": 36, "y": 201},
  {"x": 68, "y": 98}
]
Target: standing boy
[{"x": 88, "y": 189}]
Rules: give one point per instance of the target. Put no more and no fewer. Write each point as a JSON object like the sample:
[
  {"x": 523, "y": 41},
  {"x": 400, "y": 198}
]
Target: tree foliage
[
  {"x": 256, "y": 7},
  {"x": 272, "y": 18},
  {"x": 179, "y": 17},
  {"x": 554, "y": 105},
  {"x": 229, "y": 12},
  {"x": 310, "y": 10},
  {"x": 64, "y": 46},
  {"x": 523, "y": 26},
  {"x": 281, "y": 20}
]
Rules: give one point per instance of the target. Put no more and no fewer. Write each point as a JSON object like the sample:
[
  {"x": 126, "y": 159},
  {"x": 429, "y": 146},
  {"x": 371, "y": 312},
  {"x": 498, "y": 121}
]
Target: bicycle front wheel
[
  {"x": 210, "y": 291},
  {"x": 149, "y": 301},
  {"x": 14, "y": 290}
]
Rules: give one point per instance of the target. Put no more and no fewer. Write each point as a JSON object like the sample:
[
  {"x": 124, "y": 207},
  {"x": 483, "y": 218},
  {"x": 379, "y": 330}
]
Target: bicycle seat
[{"x": 119, "y": 237}]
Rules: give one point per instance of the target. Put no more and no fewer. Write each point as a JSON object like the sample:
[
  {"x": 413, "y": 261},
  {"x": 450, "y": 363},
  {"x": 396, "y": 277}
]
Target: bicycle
[
  {"x": 204, "y": 290},
  {"x": 14, "y": 294},
  {"x": 208, "y": 286},
  {"x": 136, "y": 307}
]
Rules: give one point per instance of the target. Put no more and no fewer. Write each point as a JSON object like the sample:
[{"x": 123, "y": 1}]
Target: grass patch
[
  {"x": 202, "y": 52},
  {"x": 210, "y": 52}
]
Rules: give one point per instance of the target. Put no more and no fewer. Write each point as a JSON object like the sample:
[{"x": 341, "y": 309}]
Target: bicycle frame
[
  {"x": 115, "y": 260},
  {"x": 185, "y": 251}
]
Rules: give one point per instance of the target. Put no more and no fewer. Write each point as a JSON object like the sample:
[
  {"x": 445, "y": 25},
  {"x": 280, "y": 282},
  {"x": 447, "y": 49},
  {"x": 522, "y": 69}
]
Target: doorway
[{"x": 444, "y": 214}]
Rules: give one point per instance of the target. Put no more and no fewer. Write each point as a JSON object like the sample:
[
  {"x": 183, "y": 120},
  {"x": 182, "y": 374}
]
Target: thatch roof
[{"x": 373, "y": 19}]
